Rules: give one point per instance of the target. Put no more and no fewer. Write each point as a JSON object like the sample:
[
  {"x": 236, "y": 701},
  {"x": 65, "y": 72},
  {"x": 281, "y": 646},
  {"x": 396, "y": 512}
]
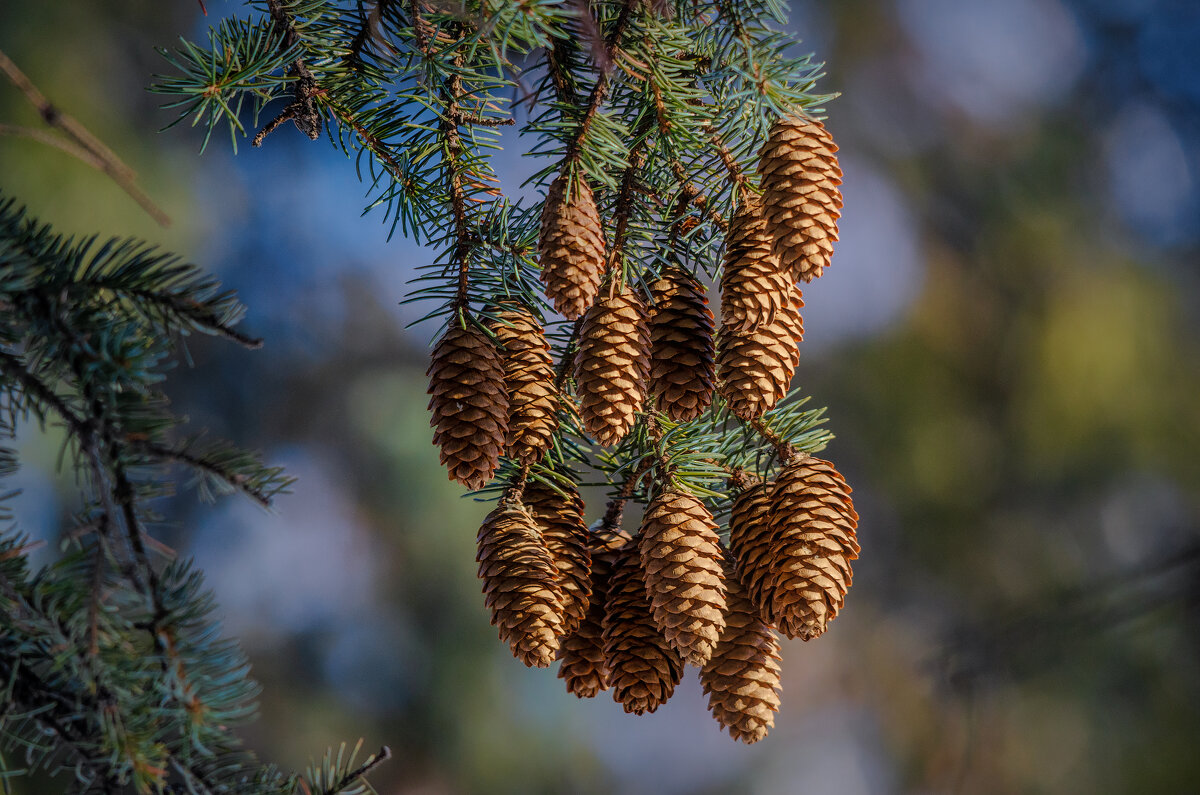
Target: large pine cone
[
  {"x": 813, "y": 540},
  {"x": 643, "y": 668},
  {"x": 681, "y": 346},
  {"x": 469, "y": 404},
  {"x": 741, "y": 678},
  {"x": 681, "y": 556},
  {"x": 755, "y": 367},
  {"x": 571, "y": 245},
  {"x": 529, "y": 378},
  {"x": 754, "y": 287},
  {"x": 750, "y": 544},
  {"x": 520, "y": 584},
  {"x": 582, "y": 652},
  {"x": 801, "y": 198},
  {"x": 612, "y": 365},
  {"x": 560, "y": 519}
]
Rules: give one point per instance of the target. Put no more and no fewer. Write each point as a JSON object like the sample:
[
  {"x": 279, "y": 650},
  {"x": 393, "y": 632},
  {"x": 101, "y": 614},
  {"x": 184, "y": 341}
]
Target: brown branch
[
  {"x": 303, "y": 109},
  {"x": 782, "y": 446},
  {"x": 362, "y": 770},
  {"x": 600, "y": 90}
]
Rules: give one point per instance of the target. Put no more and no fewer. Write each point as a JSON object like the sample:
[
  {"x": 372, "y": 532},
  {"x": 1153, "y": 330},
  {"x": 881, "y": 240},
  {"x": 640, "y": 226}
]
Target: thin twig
[{"x": 362, "y": 770}]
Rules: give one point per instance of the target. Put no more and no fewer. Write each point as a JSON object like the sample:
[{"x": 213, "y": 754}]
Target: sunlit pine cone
[
  {"x": 754, "y": 287},
  {"x": 750, "y": 544},
  {"x": 469, "y": 404},
  {"x": 520, "y": 584},
  {"x": 582, "y": 652},
  {"x": 741, "y": 679},
  {"x": 681, "y": 556},
  {"x": 529, "y": 378},
  {"x": 643, "y": 669},
  {"x": 612, "y": 365},
  {"x": 755, "y": 368},
  {"x": 571, "y": 245},
  {"x": 681, "y": 346},
  {"x": 801, "y": 199},
  {"x": 813, "y": 540},
  {"x": 559, "y": 518}
]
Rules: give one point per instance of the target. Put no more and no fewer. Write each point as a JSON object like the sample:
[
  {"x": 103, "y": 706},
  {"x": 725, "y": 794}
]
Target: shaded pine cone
[
  {"x": 612, "y": 365},
  {"x": 681, "y": 556},
  {"x": 741, "y": 679},
  {"x": 582, "y": 652},
  {"x": 750, "y": 544},
  {"x": 529, "y": 378},
  {"x": 755, "y": 368},
  {"x": 559, "y": 518},
  {"x": 643, "y": 668},
  {"x": 754, "y": 287},
  {"x": 469, "y": 404},
  {"x": 802, "y": 201},
  {"x": 813, "y": 540},
  {"x": 519, "y": 584},
  {"x": 681, "y": 346},
  {"x": 571, "y": 246}
]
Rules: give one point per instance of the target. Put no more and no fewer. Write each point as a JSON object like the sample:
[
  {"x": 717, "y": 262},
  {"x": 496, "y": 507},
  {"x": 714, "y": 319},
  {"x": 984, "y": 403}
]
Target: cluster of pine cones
[{"x": 625, "y": 613}]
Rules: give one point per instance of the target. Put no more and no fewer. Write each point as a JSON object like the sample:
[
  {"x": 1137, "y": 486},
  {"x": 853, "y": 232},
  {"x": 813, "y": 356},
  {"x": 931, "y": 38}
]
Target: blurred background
[{"x": 1008, "y": 342}]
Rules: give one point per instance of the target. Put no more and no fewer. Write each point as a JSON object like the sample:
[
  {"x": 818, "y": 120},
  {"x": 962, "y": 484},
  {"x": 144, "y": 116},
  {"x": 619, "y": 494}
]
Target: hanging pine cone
[
  {"x": 681, "y": 346},
  {"x": 813, "y": 540},
  {"x": 520, "y": 584},
  {"x": 681, "y": 556},
  {"x": 755, "y": 368},
  {"x": 741, "y": 679},
  {"x": 469, "y": 404},
  {"x": 582, "y": 652},
  {"x": 754, "y": 287},
  {"x": 801, "y": 198},
  {"x": 559, "y": 518},
  {"x": 571, "y": 245},
  {"x": 750, "y": 544},
  {"x": 529, "y": 378},
  {"x": 643, "y": 668},
  {"x": 612, "y": 365}
]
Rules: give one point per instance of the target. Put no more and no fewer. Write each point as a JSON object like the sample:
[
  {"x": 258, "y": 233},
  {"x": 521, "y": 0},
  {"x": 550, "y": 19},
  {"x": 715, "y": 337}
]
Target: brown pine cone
[
  {"x": 755, "y": 368},
  {"x": 582, "y": 652},
  {"x": 469, "y": 404},
  {"x": 612, "y": 365},
  {"x": 560, "y": 519},
  {"x": 750, "y": 544},
  {"x": 754, "y": 287},
  {"x": 741, "y": 679},
  {"x": 520, "y": 584},
  {"x": 813, "y": 540},
  {"x": 571, "y": 245},
  {"x": 643, "y": 668},
  {"x": 801, "y": 199},
  {"x": 529, "y": 378},
  {"x": 681, "y": 556},
  {"x": 681, "y": 346}
]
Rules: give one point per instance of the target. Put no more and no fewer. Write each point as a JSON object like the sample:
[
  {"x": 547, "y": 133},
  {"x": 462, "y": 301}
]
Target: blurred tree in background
[{"x": 1008, "y": 342}]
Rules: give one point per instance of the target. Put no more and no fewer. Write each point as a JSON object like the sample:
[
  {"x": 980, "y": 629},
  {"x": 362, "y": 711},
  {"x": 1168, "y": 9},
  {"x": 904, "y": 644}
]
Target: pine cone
[
  {"x": 681, "y": 555},
  {"x": 754, "y": 287},
  {"x": 755, "y": 368},
  {"x": 560, "y": 520},
  {"x": 750, "y": 544},
  {"x": 469, "y": 404},
  {"x": 642, "y": 667},
  {"x": 520, "y": 584},
  {"x": 529, "y": 378},
  {"x": 741, "y": 679},
  {"x": 582, "y": 652},
  {"x": 681, "y": 346},
  {"x": 801, "y": 198},
  {"x": 612, "y": 365},
  {"x": 571, "y": 246},
  {"x": 812, "y": 543}
]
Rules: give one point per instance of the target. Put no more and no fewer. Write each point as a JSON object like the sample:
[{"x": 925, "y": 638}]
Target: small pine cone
[
  {"x": 571, "y": 246},
  {"x": 681, "y": 556},
  {"x": 529, "y": 378},
  {"x": 813, "y": 540},
  {"x": 612, "y": 365},
  {"x": 750, "y": 544},
  {"x": 802, "y": 201},
  {"x": 582, "y": 652},
  {"x": 643, "y": 668},
  {"x": 469, "y": 404},
  {"x": 520, "y": 584},
  {"x": 741, "y": 679},
  {"x": 681, "y": 346},
  {"x": 755, "y": 368},
  {"x": 754, "y": 287},
  {"x": 560, "y": 520}
]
